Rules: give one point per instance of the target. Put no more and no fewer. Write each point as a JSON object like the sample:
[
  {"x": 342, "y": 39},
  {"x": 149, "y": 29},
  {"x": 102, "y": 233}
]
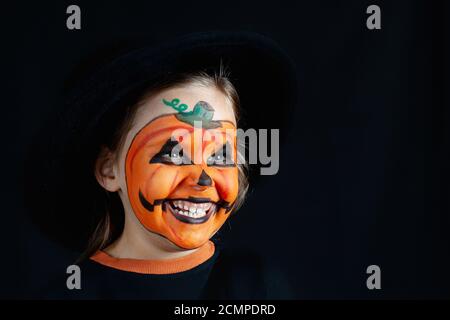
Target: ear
[{"x": 104, "y": 170}]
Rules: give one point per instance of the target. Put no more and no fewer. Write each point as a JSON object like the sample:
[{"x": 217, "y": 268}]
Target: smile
[{"x": 192, "y": 210}]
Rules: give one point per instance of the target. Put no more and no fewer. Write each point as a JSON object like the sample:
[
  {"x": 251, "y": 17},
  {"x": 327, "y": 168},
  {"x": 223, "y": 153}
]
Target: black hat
[{"x": 59, "y": 192}]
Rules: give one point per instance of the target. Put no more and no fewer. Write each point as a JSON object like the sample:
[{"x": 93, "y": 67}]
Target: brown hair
[{"x": 110, "y": 225}]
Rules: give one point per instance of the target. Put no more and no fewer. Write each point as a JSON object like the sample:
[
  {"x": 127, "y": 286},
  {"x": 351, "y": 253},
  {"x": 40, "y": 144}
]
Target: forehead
[
  {"x": 169, "y": 127},
  {"x": 189, "y": 95},
  {"x": 153, "y": 107}
]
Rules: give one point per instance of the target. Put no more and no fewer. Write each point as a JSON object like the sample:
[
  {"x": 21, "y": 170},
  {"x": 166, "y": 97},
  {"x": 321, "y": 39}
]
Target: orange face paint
[{"x": 180, "y": 186}]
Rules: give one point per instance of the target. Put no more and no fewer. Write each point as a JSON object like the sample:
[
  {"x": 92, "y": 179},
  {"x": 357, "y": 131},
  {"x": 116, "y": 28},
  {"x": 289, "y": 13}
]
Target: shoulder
[{"x": 245, "y": 274}]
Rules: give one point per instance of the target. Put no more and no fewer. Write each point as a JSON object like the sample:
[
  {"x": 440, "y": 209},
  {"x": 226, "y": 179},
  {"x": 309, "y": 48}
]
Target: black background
[{"x": 363, "y": 176}]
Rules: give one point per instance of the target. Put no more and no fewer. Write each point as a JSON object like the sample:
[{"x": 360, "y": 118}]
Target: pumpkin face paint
[{"x": 181, "y": 175}]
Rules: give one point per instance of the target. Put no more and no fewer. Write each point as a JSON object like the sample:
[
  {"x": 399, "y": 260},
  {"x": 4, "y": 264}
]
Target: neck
[{"x": 136, "y": 242}]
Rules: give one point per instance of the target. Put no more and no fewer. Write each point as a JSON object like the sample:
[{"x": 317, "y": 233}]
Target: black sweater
[{"x": 225, "y": 275}]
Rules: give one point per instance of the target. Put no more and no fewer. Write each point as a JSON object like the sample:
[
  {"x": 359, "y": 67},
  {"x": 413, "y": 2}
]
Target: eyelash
[
  {"x": 216, "y": 160},
  {"x": 172, "y": 154},
  {"x": 225, "y": 161},
  {"x": 168, "y": 158}
]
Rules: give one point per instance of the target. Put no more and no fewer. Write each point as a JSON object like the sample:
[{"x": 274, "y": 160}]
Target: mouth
[{"x": 194, "y": 211}]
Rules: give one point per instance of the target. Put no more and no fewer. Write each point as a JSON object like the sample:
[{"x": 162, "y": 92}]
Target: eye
[
  {"x": 171, "y": 153},
  {"x": 172, "y": 157},
  {"x": 221, "y": 158}
]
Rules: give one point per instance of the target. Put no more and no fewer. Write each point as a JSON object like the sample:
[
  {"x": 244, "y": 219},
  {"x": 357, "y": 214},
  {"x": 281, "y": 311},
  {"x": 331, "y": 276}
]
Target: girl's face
[{"x": 177, "y": 169}]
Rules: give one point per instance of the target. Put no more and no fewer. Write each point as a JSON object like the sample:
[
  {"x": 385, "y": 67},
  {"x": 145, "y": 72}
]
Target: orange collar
[{"x": 157, "y": 266}]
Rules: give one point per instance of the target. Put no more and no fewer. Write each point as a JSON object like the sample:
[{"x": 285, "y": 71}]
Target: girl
[{"x": 146, "y": 168}]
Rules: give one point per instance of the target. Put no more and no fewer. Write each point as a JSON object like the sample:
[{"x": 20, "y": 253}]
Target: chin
[
  {"x": 188, "y": 236},
  {"x": 186, "y": 222}
]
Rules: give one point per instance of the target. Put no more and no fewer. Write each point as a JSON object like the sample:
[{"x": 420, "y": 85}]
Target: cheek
[
  {"x": 161, "y": 182},
  {"x": 155, "y": 181},
  {"x": 227, "y": 183}
]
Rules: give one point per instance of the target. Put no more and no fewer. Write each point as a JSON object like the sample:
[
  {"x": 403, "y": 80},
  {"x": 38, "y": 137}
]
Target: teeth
[{"x": 190, "y": 209}]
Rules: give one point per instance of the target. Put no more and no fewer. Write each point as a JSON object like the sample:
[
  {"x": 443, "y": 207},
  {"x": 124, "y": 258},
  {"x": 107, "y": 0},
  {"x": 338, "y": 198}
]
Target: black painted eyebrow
[{"x": 167, "y": 149}]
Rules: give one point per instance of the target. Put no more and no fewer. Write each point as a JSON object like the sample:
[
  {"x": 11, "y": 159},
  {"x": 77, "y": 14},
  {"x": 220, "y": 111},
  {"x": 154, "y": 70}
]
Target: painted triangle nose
[{"x": 204, "y": 180}]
